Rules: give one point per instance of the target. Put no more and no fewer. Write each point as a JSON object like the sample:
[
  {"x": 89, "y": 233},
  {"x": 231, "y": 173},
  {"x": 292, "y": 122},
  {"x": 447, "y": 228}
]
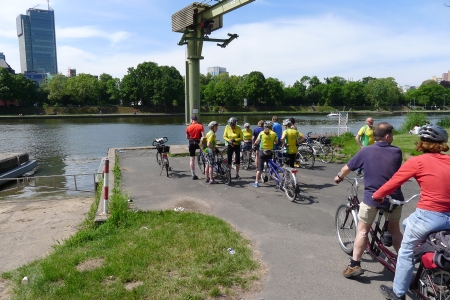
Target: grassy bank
[{"x": 141, "y": 255}]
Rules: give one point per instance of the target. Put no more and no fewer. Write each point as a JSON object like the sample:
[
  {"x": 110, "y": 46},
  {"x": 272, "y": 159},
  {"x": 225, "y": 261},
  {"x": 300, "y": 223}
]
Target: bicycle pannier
[
  {"x": 203, "y": 142},
  {"x": 439, "y": 243}
]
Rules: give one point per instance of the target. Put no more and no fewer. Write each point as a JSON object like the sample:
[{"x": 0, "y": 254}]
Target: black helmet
[
  {"x": 232, "y": 121},
  {"x": 212, "y": 124},
  {"x": 434, "y": 133}
]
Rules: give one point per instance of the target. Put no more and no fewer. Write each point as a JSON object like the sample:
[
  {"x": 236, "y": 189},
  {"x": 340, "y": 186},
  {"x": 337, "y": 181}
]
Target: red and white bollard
[{"x": 105, "y": 186}]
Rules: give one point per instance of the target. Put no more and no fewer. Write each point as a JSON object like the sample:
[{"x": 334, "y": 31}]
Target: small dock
[{"x": 10, "y": 161}]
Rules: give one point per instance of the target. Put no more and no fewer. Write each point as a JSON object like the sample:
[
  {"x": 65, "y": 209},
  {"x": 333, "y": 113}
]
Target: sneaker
[
  {"x": 238, "y": 177},
  {"x": 206, "y": 180},
  {"x": 350, "y": 272},
  {"x": 194, "y": 177},
  {"x": 255, "y": 184},
  {"x": 388, "y": 292},
  {"x": 212, "y": 182}
]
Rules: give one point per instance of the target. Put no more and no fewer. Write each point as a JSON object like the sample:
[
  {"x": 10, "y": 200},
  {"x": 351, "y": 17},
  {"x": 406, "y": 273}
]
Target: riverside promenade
[{"x": 294, "y": 241}]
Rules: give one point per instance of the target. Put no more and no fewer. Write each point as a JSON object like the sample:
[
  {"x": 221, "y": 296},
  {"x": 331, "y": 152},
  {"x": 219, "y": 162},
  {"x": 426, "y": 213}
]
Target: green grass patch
[{"x": 141, "y": 255}]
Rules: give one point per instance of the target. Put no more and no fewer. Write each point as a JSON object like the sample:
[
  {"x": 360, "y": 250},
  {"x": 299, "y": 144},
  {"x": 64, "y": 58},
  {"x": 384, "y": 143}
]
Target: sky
[{"x": 283, "y": 39}]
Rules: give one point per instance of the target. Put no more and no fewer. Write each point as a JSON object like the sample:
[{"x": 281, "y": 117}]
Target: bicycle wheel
[
  {"x": 158, "y": 158},
  {"x": 166, "y": 165},
  {"x": 290, "y": 185},
  {"x": 346, "y": 223},
  {"x": 225, "y": 173},
  {"x": 304, "y": 159},
  {"x": 201, "y": 162},
  {"x": 325, "y": 154},
  {"x": 245, "y": 160},
  {"x": 435, "y": 285}
]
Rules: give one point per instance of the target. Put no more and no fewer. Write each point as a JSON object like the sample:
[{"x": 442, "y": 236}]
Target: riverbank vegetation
[
  {"x": 149, "y": 84},
  {"x": 347, "y": 146},
  {"x": 142, "y": 255}
]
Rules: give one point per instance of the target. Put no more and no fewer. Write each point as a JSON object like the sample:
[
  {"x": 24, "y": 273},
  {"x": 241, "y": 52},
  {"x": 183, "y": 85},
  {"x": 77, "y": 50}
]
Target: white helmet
[
  {"x": 246, "y": 125},
  {"x": 212, "y": 124}
]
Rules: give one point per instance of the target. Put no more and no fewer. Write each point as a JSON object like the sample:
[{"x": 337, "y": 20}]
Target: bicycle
[
  {"x": 304, "y": 158},
  {"x": 427, "y": 283},
  {"x": 221, "y": 169},
  {"x": 161, "y": 155},
  {"x": 247, "y": 156},
  {"x": 322, "y": 151},
  {"x": 201, "y": 161},
  {"x": 285, "y": 178}
]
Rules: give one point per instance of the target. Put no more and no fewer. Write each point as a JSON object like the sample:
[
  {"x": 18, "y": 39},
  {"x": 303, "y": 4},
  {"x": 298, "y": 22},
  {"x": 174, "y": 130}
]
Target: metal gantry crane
[{"x": 197, "y": 21}]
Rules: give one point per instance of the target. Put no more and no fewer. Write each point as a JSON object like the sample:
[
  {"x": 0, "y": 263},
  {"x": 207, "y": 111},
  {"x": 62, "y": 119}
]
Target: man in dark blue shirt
[{"x": 380, "y": 161}]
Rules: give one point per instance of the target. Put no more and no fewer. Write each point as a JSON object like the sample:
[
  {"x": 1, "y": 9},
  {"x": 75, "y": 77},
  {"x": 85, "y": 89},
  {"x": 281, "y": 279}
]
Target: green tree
[
  {"x": 6, "y": 85},
  {"x": 353, "y": 93},
  {"x": 56, "y": 90},
  {"x": 253, "y": 88},
  {"x": 104, "y": 96},
  {"x": 382, "y": 92},
  {"x": 113, "y": 90},
  {"x": 274, "y": 91},
  {"x": 84, "y": 89},
  {"x": 169, "y": 86},
  {"x": 24, "y": 90}
]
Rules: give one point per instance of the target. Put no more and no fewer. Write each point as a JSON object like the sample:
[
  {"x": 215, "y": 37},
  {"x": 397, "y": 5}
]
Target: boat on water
[
  {"x": 14, "y": 165},
  {"x": 333, "y": 115}
]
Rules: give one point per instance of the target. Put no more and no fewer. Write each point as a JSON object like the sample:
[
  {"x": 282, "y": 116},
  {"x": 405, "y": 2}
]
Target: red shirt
[
  {"x": 195, "y": 131},
  {"x": 432, "y": 173}
]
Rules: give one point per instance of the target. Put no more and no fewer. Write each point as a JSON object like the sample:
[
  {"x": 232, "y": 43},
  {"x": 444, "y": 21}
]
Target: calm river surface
[{"x": 76, "y": 146}]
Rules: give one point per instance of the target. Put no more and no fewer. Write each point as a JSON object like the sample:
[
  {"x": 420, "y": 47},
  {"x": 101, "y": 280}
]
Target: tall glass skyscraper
[{"x": 37, "y": 41}]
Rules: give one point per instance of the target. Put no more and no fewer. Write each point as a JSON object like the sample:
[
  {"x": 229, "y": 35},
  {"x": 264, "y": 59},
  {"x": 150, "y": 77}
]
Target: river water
[{"x": 76, "y": 146}]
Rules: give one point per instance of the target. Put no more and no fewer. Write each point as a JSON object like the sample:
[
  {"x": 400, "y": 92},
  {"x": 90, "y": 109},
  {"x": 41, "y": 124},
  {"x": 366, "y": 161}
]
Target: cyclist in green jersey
[
  {"x": 209, "y": 151},
  {"x": 290, "y": 138}
]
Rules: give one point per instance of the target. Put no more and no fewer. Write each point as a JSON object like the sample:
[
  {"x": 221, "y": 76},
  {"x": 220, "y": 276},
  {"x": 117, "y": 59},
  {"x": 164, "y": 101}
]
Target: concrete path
[{"x": 295, "y": 240}]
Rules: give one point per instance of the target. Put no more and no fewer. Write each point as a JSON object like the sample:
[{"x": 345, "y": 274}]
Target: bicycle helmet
[
  {"x": 287, "y": 122},
  {"x": 268, "y": 124},
  {"x": 246, "y": 125},
  {"x": 212, "y": 124},
  {"x": 232, "y": 121},
  {"x": 434, "y": 133}
]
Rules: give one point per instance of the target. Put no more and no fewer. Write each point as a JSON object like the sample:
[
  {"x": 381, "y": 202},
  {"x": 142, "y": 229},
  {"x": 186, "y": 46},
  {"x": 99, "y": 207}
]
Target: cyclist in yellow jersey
[
  {"x": 247, "y": 134},
  {"x": 266, "y": 140},
  {"x": 290, "y": 138},
  {"x": 210, "y": 150},
  {"x": 233, "y": 137}
]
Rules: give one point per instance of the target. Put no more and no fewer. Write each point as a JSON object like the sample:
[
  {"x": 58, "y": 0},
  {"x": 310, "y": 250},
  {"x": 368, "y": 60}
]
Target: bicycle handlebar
[{"x": 399, "y": 202}]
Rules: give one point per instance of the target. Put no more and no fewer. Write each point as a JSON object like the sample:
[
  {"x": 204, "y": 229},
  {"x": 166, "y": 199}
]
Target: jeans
[{"x": 417, "y": 228}]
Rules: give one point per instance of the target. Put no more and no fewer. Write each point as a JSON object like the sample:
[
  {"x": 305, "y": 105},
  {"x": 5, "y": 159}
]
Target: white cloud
[{"x": 90, "y": 32}]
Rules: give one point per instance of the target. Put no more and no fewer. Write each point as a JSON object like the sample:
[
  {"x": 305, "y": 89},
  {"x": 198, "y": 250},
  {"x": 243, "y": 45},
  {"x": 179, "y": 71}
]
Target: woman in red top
[{"x": 432, "y": 172}]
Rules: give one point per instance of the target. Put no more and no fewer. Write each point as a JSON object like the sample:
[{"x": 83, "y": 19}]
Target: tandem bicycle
[{"x": 427, "y": 283}]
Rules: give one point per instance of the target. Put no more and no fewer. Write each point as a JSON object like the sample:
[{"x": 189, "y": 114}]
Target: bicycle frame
[{"x": 273, "y": 169}]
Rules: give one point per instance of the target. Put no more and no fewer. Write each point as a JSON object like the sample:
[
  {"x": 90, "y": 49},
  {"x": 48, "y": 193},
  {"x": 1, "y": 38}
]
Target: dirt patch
[
  {"x": 90, "y": 264},
  {"x": 28, "y": 230}
]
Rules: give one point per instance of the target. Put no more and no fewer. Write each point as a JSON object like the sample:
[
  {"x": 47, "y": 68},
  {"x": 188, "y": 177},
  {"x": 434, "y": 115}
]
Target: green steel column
[
  {"x": 194, "y": 55},
  {"x": 186, "y": 94}
]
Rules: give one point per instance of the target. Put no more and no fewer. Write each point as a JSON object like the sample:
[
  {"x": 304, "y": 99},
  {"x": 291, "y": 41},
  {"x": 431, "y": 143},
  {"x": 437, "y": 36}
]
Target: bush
[
  {"x": 445, "y": 122},
  {"x": 411, "y": 120},
  {"x": 339, "y": 141}
]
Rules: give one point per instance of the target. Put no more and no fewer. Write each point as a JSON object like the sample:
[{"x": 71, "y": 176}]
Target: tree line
[{"x": 151, "y": 85}]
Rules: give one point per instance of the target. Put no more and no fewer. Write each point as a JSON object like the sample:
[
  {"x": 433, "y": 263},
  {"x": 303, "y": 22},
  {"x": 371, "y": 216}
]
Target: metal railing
[{"x": 59, "y": 182}]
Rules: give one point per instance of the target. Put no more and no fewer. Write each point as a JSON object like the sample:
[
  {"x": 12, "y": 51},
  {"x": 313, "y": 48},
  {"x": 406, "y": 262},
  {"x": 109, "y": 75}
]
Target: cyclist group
[
  {"x": 268, "y": 136},
  {"x": 383, "y": 175}
]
